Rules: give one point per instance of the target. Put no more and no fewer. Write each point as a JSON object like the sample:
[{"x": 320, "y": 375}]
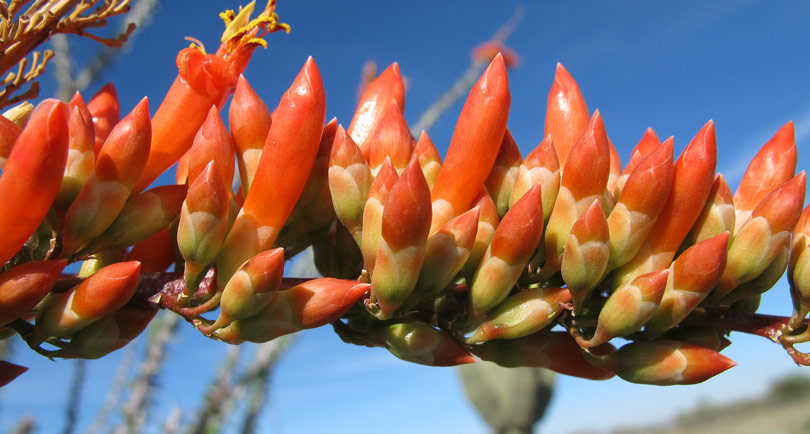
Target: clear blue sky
[{"x": 669, "y": 65}]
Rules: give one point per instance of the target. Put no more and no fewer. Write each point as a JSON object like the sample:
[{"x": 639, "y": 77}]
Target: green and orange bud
[
  {"x": 108, "y": 334},
  {"x": 718, "y": 214},
  {"x": 204, "y": 80},
  {"x": 664, "y": 363},
  {"x": 106, "y": 112},
  {"x": 371, "y": 108},
  {"x": 289, "y": 154},
  {"x": 403, "y": 239},
  {"x": 311, "y": 304},
  {"x": 25, "y": 285},
  {"x": 474, "y": 146},
  {"x": 692, "y": 180},
  {"x": 142, "y": 216},
  {"x": 99, "y": 295},
  {"x": 773, "y": 166},
  {"x": 487, "y": 222},
  {"x": 203, "y": 225},
  {"x": 765, "y": 281},
  {"x": 708, "y": 338},
  {"x": 349, "y": 182},
  {"x": 9, "y": 371},
  {"x": 211, "y": 143},
  {"x": 81, "y": 157},
  {"x": 586, "y": 254},
  {"x": 691, "y": 278},
  {"x": 639, "y": 205},
  {"x": 799, "y": 266},
  {"x": 628, "y": 308},
  {"x": 521, "y": 314},
  {"x": 155, "y": 253},
  {"x": 373, "y": 212},
  {"x": 760, "y": 240},
  {"x": 539, "y": 168},
  {"x": 420, "y": 343},
  {"x": 501, "y": 179},
  {"x": 103, "y": 196},
  {"x": 515, "y": 240},
  {"x": 584, "y": 179},
  {"x": 252, "y": 286},
  {"x": 552, "y": 350},
  {"x": 447, "y": 252},
  {"x": 9, "y": 131},
  {"x": 566, "y": 113},
  {"x": 649, "y": 142},
  {"x": 390, "y": 138},
  {"x": 32, "y": 175},
  {"x": 429, "y": 158},
  {"x": 250, "y": 121}
]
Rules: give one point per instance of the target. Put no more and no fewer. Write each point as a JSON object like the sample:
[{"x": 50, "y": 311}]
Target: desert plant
[{"x": 537, "y": 262}]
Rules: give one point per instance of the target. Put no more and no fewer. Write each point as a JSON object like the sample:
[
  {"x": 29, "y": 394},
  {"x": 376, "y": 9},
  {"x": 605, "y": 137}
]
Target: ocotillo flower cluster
[{"x": 536, "y": 261}]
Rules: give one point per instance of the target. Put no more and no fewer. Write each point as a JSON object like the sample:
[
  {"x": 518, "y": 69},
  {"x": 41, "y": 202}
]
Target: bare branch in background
[
  {"x": 470, "y": 76},
  {"x": 210, "y": 414},
  {"x": 116, "y": 390},
  {"x": 136, "y": 410},
  {"x": 75, "y": 397}
]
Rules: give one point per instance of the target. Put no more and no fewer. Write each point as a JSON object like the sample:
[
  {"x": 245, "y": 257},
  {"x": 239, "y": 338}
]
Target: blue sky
[{"x": 669, "y": 65}]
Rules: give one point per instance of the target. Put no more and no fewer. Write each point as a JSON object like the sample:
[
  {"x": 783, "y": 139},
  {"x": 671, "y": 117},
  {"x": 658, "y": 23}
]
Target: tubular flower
[
  {"x": 664, "y": 363},
  {"x": 522, "y": 314},
  {"x": 628, "y": 308},
  {"x": 691, "y": 278},
  {"x": 373, "y": 212},
  {"x": 311, "y": 304},
  {"x": 106, "y": 112},
  {"x": 403, "y": 238},
  {"x": 639, "y": 205},
  {"x": 203, "y": 225},
  {"x": 583, "y": 180},
  {"x": 513, "y": 244},
  {"x": 763, "y": 236},
  {"x": 32, "y": 175},
  {"x": 429, "y": 158},
  {"x": 99, "y": 295},
  {"x": 691, "y": 183},
  {"x": 799, "y": 267},
  {"x": 25, "y": 285},
  {"x": 773, "y": 166},
  {"x": 252, "y": 287},
  {"x": 552, "y": 350},
  {"x": 586, "y": 254},
  {"x": 473, "y": 148},
  {"x": 420, "y": 343},
  {"x": 250, "y": 121},
  {"x": 648, "y": 143},
  {"x": 539, "y": 168},
  {"x": 108, "y": 334},
  {"x": 717, "y": 216},
  {"x": 390, "y": 138},
  {"x": 143, "y": 215},
  {"x": 289, "y": 154},
  {"x": 118, "y": 166},
  {"x": 487, "y": 222},
  {"x": 566, "y": 113},
  {"x": 501, "y": 179},
  {"x": 81, "y": 157},
  {"x": 211, "y": 143},
  {"x": 155, "y": 253},
  {"x": 349, "y": 183},
  {"x": 379, "y": 93},
  {"x": 204, "y": 80},
  {"x": 447, "y": 252}
]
